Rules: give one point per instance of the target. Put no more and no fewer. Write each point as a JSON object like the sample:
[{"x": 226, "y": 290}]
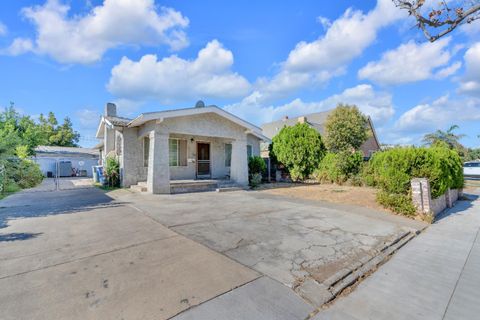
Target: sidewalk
[{"x": 435, "y": 276}]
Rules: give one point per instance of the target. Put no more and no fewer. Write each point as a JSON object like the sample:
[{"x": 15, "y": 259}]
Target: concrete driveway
[
  {"x": 291, "y": 241},
  {"x": 85, "y": 254},
  {"x": 78, "y": 254}
]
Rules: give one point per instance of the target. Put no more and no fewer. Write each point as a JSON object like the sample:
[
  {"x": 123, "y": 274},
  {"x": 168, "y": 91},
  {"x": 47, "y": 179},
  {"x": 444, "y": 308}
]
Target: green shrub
[
  {"x": 256, "y": 165},
  {"x": 112, "y": 171},
  {"x": 398, "y": 203},
  {"x": 19, "y": 174},
  {"x": 299, "y": 148},
  {"x": 255, "y": 180},
  {"x": 393, "y": 169},
  {"x": 28, "y": 174},
  {"x": 338, "y": 167}
]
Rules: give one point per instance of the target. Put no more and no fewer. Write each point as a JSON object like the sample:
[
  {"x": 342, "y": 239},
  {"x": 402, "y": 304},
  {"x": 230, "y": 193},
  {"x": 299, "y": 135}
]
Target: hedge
[
  {"x": 392, "y": 170},
  {"x": 338, "y": 167}
]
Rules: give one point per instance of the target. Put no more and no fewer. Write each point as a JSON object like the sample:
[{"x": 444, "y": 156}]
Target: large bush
[
  {"x": 338, "y": 167},
  {"x": 393, "y": 170},
  {"x": 16, "y": 174},
  {"x": 256, "y": 165},
  {"x": 299, "y": 148},
  {"x": 345, "y": 129},
  {"x": 112, "y": 171}
]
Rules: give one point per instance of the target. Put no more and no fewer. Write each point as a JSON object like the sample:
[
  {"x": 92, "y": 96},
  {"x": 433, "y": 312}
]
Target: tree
[
  {"x": 299, "y": 148},
  {"x": 345, "y": 129},
  {"x": 449, "y": 137},
  {"x": 441, "y": 19},
  {"x": 64, "y": 135}
]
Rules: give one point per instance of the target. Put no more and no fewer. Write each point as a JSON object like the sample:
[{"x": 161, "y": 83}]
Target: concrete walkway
[{"x": 435, "y": 276}]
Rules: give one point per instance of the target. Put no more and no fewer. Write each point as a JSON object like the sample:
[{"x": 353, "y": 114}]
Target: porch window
[
  {"x": 177, "y": 152},
  {"x": 228, "y": 154},
  {"x": 146, "y": 151},
  {"x": 249, "y": 151}
]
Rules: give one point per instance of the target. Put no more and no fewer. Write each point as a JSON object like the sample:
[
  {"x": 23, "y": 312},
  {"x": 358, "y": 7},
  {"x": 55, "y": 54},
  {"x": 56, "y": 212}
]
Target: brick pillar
[
  {"x": 421, "y": 196},
  {"x": 448, "y": 198}
]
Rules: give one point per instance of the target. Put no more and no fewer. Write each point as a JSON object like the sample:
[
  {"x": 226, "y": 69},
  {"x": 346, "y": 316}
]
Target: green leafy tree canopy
[
  {"x": 299, "y": 148},
  {"x": 345, "y": 129}
]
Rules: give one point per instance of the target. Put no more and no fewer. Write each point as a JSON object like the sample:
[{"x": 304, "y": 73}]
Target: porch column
[
  {"x": 158, "y": 179},
  {"x": 239, "y": 164}
]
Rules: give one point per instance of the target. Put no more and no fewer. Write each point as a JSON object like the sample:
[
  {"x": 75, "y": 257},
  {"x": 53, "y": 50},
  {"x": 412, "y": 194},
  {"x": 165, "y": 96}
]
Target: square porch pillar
[
  {"x": 158, "y": 179},
  {"x": 239, "y": 164}
]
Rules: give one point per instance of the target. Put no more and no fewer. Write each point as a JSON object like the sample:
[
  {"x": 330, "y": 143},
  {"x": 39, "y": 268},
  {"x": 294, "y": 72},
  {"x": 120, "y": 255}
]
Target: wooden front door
[{"x": 203, "y": 160}]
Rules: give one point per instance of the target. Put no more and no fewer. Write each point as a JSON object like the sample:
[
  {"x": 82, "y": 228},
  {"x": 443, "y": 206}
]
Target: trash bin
[{"x": 94, "y": 174}]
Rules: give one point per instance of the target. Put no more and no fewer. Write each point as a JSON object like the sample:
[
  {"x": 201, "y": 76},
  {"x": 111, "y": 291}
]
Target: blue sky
[{"x": 260, "y": 60}]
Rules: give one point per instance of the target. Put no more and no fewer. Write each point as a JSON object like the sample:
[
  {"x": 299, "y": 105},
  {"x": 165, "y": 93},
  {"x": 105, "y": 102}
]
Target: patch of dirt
[{"x": 359, "y": 196}]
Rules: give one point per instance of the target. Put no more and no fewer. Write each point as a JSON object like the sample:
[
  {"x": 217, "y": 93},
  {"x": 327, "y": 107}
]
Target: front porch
[{"x": 193, "y": 185}]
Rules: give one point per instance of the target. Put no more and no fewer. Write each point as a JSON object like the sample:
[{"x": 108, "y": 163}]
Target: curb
[{"x": 319, "y": 294}]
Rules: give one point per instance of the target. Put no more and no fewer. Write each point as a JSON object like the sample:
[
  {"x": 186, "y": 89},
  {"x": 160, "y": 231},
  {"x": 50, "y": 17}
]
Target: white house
[{"x": 158, "y": 148}]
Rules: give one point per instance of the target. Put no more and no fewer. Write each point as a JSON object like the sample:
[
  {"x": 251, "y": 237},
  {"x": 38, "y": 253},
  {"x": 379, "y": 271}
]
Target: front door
[{"x": 203, "y": 160}]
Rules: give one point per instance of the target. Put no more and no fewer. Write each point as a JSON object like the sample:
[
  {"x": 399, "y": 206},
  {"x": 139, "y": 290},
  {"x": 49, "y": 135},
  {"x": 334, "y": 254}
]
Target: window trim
[
  {"x": 178, "y": 152},
  {"x": 251, "y": 151}
]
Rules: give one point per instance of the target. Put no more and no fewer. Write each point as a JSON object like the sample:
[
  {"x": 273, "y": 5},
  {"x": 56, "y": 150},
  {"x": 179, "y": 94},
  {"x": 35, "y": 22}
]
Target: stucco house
[
  {"x": 159, "y": 149},
  {"x": 317, "y": 121}
]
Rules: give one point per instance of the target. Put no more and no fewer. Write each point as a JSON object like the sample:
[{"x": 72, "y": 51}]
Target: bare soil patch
[{"x": 359, "y": 196}]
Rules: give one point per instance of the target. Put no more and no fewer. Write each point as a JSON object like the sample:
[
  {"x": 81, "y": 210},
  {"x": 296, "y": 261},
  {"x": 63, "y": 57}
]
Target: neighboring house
[
  {"x": 317, "y": 121},
  {"x": 204, "y": 142},
  {"x": 73, "y": 161}
]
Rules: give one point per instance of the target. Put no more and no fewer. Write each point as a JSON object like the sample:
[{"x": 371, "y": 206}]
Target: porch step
[
  {"x": 196, "y": 186},
  {"x": 140, "y": 187},
  {"x": 228, "y": 189}
]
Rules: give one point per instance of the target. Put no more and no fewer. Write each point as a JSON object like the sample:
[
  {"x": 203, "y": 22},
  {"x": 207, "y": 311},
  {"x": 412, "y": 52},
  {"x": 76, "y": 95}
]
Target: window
[
  {"x": 228, "y": 154},
  {"x": 249, "y": 151},
  {"x": 177, "y": 152},
  {"x": 146, "y": 151}
]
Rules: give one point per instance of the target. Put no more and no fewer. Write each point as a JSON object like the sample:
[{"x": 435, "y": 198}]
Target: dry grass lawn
[{"x": 359, "y": 196}]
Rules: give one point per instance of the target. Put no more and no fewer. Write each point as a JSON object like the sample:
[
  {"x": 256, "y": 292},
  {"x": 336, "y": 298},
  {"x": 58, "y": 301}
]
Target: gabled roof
[
  {"x": 316, "y": 120},
  {"x": 161, "y": 115}
]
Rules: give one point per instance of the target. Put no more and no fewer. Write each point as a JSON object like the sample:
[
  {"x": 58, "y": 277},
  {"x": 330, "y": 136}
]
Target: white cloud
[
  {"x": 175, "y": 79},
  {"x": 3, "y": 29},
  {"x": 84, "y": 39},
  {"x": 439, "y": 114},
  {"x": 88, "y": 118},
  {"x": 18, "y": 46},
  {"x": 448, "y": 71},
  {"x": 410, "y": 62},
  {"x": 470, "y": 82},
  {"x": 376, "y": 104},
  {"x": 326, "y": 57}
]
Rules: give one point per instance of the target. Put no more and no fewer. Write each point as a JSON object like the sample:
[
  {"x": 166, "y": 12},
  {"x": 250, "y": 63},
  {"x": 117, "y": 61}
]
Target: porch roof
[{"x": 161, "y": 115}]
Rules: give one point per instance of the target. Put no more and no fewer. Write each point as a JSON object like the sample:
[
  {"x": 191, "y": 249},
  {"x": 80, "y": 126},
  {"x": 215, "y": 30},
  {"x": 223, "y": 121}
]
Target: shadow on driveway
[
  {"x": 38, "y": 204},
  {"x": 460, "y": 207}
]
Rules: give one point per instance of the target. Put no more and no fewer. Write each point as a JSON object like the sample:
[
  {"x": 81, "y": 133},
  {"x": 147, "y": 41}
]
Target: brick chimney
[
  {"x": 302, "y": 119},
  {"x": 110, "y": 110}
]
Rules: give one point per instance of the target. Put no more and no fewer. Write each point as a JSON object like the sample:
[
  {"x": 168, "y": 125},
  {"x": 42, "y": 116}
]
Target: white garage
[{"x": 66, "y": 161}]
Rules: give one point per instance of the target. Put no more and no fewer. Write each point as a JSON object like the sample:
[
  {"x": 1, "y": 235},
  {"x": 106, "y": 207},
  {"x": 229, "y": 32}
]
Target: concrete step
[
  {"x": 192, "y": 187},
  {"x": 228, "y": 189},
  {"x": 138, "y": 188},
  {"x": 142, "y": 183}
]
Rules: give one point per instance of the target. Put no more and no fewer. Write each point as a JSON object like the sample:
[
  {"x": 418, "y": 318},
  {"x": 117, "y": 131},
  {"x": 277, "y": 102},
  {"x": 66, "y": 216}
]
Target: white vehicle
[{"x": 471, "y": 169}]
